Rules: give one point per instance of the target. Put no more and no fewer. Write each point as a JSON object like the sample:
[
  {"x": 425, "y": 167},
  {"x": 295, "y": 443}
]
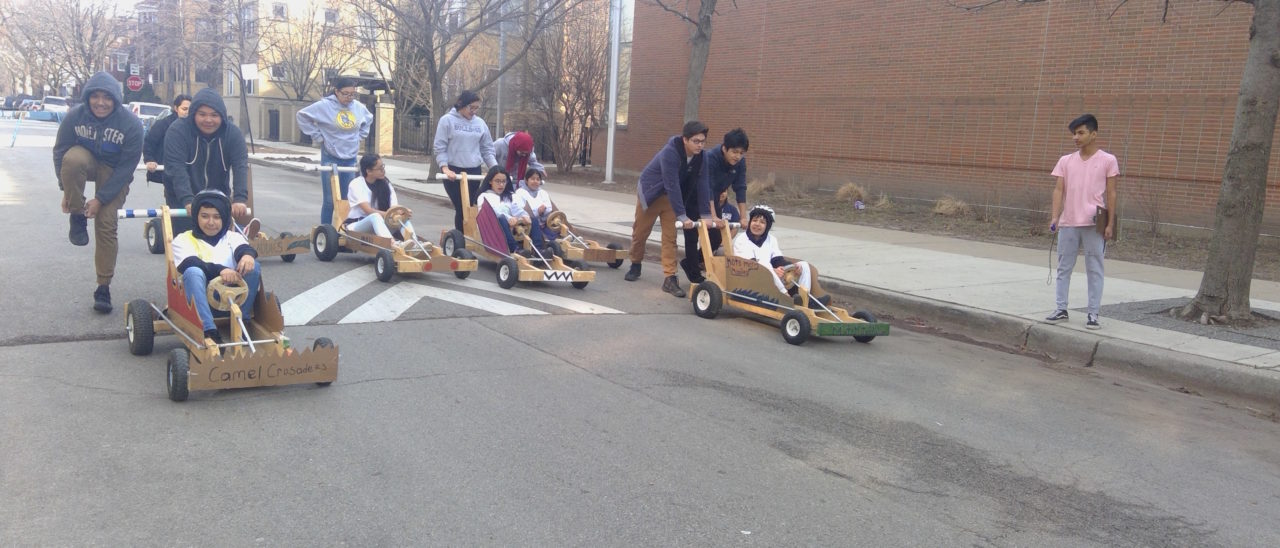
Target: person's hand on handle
[
  {"x": 239, "y": 210},
  {"x": 449, "y": 173},
  {"x": 151, "y": 167}
]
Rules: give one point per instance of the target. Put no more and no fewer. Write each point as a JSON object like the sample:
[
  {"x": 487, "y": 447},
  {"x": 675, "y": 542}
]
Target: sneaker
[
  {"x": 825, "y": 300},
  {"x": 102, "y": 299},
  {"x": 633, "y": 274},
  {"x": 672, "y": 285},
  {"x": 213, "y": 335},
  {"x": 79, "y": 234},
  {"x": 1057, "y": 316},
  {"x": 694, "y": 274},
  {"x": 1092, "y": 322}
]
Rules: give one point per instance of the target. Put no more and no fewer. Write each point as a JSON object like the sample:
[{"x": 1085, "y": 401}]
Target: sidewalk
[{"x": 988, "y": 292}]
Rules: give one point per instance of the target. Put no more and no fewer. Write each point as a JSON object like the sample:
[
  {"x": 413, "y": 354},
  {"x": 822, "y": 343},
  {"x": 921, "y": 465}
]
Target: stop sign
[{"x": 134, "y": 83}]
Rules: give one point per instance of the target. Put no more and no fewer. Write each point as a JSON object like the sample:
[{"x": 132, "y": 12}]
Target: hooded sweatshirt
[
  {"x": 210, "y": 252},
  {"x": 339, "y": 128},
  {"x": 153, "y": 147},
  {"x": 194, "y": 161},
  {"x": 115, "y": 141},
  {"x": 463, "y": 143},
  {"x": 678, "y": 177},
  {"x": 502, "y": 153},
  {"x": 763, "y": 249}
]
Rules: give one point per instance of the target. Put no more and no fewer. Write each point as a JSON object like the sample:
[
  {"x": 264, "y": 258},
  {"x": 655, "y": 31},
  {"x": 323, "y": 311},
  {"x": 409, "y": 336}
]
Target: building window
[
  {"x": 330, "y": 17},
  {"x": 249, "y": 85},
  {"x": 279, "y": 11},
  {"x": 368, "y": 29},
  {"x": 248, "y": 19},
  {"x": 277, "y": 72}
]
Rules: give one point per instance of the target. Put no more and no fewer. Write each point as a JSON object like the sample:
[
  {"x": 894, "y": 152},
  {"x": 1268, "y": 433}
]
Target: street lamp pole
[{"x": 615, "y": 16}]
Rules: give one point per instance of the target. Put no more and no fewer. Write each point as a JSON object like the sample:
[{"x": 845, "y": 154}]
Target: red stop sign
[{"x": 134, "y": 83}]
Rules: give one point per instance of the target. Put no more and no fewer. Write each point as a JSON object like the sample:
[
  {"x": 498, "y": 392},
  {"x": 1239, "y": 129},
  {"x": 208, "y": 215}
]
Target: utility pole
[{"x": 615, "y": 17}]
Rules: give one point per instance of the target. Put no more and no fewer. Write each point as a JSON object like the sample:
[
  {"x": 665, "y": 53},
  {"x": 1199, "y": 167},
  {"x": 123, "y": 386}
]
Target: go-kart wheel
[
  {"x": 384, "y": 265},
  {"x": 324, "y": 242},
  {"x": 178, "y": 373},
  {"x": 508, "y": 272},
  {"x": 322, "y": 342},
  {"x": 707, "y": 300},
  {"x": 155, "y": 236},
  {"x": 453, "y": 240},
  {"x": 795, "y": 327},
  {"x": 139, "y": 327},
  {"x": 866, "y": 317},
  {"x": 222, "y": 295},
  {"x": 290, "y": 257},
  {"x": 466, "y": 255},
  {"x": 579, "y": 285},
  {"x": 617, "y": 262}
]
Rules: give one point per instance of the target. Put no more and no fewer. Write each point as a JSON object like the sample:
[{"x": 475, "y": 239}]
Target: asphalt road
[{"x": 547, "y": 415}]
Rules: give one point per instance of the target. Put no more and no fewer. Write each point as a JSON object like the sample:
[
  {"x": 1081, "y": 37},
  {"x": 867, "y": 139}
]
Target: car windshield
[
  {"x": 55, "y": 101},
  {"x": 151, "y": 110}
]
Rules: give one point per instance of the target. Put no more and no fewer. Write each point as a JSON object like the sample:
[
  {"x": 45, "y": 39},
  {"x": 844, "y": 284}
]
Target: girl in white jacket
[{"x": 757, "y": 244}]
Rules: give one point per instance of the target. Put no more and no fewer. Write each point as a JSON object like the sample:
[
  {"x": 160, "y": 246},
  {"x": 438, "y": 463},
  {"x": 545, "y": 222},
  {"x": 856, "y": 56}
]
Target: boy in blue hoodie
[
  {"x": 339, "y": 123},
  {"x": 205, "y": 151},
  {"x": 98, "y": 141}
]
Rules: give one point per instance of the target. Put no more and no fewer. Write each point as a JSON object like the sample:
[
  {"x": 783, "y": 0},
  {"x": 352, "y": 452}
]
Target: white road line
[
  {"x": 305, "y": 306},
  {"x": 390, "y": 304},
  {"x": 581, "y": 307}
]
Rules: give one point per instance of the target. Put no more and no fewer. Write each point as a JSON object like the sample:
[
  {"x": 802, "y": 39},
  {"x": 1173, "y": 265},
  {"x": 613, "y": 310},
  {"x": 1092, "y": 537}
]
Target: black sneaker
[
  {"x": 1058, "y": 316},
  {"x": 1092, "y": 322},
  {"x": 79, "y": 234},
  {"x": 672, "y": 285},
  {"x": 102, "y": 299},
  {"x": 825, "y": 300},
  {"x": 214, "y": 335},
  {"x": 633, "y": 274},
  {"x": 694, "y": 274}
]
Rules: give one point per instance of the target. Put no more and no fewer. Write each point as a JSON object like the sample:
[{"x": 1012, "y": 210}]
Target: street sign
[{"x": 134, "y": 83}]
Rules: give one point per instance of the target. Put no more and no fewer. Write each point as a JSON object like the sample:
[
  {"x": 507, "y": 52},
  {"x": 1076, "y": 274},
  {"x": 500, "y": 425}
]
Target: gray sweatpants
[{"x": 1071, "y": 239}]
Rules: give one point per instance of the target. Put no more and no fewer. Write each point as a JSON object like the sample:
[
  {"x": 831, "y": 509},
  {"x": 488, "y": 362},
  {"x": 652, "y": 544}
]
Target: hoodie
[
  {"x": 678, "y": 177},
  {"x": 115, "y": 141},
  {"x": 194, "y": 161},
  {"x": 339, "y": 129},
  {"x": 211, "y": 253},
  {"x": 463, "y": 143},
  {"x": 153, "y": 145}
]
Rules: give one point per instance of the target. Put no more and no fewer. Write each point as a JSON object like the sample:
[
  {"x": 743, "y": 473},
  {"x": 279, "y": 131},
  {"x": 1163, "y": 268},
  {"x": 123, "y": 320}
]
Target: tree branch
[{"x": 679, "y": 14}]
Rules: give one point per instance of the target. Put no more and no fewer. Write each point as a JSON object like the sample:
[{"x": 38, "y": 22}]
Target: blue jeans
[
  {"x": 194, "y": 283},
  {"x": 344, "y": 180},
  {"x": 506, "y": 231}
]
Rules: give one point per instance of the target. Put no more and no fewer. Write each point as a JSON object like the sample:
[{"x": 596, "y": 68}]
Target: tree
[
  {"x": 701, "y": 50},
  {"x": 305, "y": 47},
  {"x": 1223, "y": 296},
  {"x": 82, "y": 33},
  {"x": 568, "y": 74}
]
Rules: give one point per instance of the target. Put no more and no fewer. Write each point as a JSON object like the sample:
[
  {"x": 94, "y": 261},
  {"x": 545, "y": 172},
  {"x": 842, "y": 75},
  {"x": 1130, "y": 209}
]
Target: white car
[
  {"x": 54, "y": 104},
  {"x": 148, "y": 112}
]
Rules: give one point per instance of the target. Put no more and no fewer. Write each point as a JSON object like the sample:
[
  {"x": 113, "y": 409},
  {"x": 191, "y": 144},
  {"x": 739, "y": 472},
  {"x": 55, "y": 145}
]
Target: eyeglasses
[
  {"x": 698, "y": 140},
  {"x": 347, "y": 94}
]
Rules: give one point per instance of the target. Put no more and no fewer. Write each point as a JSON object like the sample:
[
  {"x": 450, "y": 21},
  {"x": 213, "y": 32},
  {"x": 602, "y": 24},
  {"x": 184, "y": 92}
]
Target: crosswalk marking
[
  {"x": 581, "y": 307},
  {"x": 390, "y": 304},
  {"x": 304, "y": 307}
]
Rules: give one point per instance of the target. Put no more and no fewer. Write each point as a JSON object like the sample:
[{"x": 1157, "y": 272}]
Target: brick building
[{"x": 919, "y": 99}]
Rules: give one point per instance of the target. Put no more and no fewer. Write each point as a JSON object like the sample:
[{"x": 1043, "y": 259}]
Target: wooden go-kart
[
  {"x": 285, "y": 245},
  {"x": 413, "y": 255},
  {"x": 482, "y": 235},
  {"x": 746, "y": 285},
  {"x": 259, "y": 353},
  {"x": 581, "y": 250}
]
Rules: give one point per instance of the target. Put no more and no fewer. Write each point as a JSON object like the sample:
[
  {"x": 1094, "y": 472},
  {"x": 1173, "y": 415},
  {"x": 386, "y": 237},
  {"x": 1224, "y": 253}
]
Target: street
[{"x": 543, "y": 415}]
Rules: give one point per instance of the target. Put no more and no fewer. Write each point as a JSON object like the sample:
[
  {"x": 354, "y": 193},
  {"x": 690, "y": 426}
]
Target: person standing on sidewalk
[
  {"x": 98, "y": 141},
  {"x": 726, "y": 168},
  {"x": 339, "y": 123},
  {"x": 674, "y": 177},
  {"x": 463, "y": 143},
  {"x": 1083, "y": 198}
]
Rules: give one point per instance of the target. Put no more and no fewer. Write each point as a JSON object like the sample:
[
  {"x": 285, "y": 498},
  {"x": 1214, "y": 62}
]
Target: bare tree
[
  {"x": 84, "y": 32},
  {"x": 299, "y": 53},
  {"x": 701, "y": 42},
  {"x": 569, "y": 69},
  {"x": 182, "y": 38},
  {"x": 1223, "y": 296}
]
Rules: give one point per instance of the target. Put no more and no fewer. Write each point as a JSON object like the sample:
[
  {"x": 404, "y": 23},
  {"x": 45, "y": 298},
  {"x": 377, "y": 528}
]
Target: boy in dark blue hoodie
[
  {"x": 98, "y": 141},
  {"x": 205, "y": 151}
]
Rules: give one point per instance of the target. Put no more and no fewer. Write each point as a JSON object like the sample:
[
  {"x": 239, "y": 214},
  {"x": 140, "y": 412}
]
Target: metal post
[
  {"x": 502, "y": 60},
  {"x": 615, "y": 17}
]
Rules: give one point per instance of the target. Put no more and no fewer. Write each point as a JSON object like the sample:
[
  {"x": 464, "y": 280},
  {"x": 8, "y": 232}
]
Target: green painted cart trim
[{"x": 854, "y": 329}]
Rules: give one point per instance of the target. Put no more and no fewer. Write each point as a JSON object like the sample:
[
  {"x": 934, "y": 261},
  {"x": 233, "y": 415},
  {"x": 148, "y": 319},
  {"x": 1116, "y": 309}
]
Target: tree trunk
[
  {"x": 1224, "y": 289},
  {"x": 698, "y": 59}
]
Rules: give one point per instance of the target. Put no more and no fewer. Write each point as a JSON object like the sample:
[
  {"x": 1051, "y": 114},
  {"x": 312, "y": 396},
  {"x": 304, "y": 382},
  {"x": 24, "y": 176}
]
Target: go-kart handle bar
[
  {"x": 335, "y": 168},
  {"x": 145, "y": 213},
  {"x": 143, "y": 167},
  {"x": 680, "y": 226}
]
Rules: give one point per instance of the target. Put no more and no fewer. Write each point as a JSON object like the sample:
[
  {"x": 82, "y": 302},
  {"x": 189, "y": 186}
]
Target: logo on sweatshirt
[{"x": 345, "y": 119}]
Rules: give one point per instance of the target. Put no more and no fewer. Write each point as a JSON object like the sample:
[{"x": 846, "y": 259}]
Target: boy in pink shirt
[{"x": 1086, "y": 188}]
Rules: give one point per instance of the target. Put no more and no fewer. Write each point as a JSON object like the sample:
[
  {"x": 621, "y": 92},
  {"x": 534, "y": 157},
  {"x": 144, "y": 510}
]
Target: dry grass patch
[
  {"x": 768, "y": 185},
  {"x": 851, "y": 192},
  {"x": 948, "y": 206}
]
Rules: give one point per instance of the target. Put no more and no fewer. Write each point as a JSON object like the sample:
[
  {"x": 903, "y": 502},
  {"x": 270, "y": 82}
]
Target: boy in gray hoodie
[
  {"x": 98, "y": 141},
  {"x": 204, "y": 151}
]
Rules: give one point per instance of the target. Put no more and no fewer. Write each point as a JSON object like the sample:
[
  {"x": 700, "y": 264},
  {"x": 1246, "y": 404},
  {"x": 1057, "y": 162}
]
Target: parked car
[
  {"x": 14, "y": 101},
  {"x": 29, "y": 104},
  {"x": 147, "y": 112},
  {"x": 54, "y": 104}
]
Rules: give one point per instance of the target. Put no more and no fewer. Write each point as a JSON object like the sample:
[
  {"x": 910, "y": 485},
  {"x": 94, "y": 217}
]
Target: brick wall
[{"x": 919, "y": 100}]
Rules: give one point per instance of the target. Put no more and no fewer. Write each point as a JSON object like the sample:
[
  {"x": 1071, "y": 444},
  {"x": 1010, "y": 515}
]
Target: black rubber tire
[
  {"x": 322, "y": 342},
  {"x": 466, "y": 255},
  {"x": 139, "y": 328},
  {"x": 453, "y": 241},
  {"x": 155, "y": 237},
  {"x": 707, "y": 300},
  {"x": 384, "y": 265},
  {"x": 866, "y": 317},
  {"x": 617, "y": 263},
  {"x": 178, "y": 371},
  {"x": 795, "y": 327},
  {"x": 324, "y": 242},
  {"x": 290, "y": 257},
  {"x": 579, "y": 285},
  {"x": 508, "y": 272}
]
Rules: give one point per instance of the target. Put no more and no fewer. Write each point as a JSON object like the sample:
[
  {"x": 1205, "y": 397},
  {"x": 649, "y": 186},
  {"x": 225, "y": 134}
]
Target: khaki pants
[
  {"x": 661, "y": 210},
  {"x": 78, "y": 167}
]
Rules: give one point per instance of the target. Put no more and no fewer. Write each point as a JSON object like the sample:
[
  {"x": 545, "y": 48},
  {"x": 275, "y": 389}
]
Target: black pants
[
  {"x": 454, "y": 190},
  {"x": 692, "y": 262}
]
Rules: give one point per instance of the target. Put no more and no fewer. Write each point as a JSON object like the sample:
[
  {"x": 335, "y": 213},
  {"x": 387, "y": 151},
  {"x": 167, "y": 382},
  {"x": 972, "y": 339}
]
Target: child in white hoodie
[
  {"x": 499, "y": 197},
  {"x": 537, "y": 204},
  {"x": 211, "y": 251},
  {"x": 757, "y": 244}
]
